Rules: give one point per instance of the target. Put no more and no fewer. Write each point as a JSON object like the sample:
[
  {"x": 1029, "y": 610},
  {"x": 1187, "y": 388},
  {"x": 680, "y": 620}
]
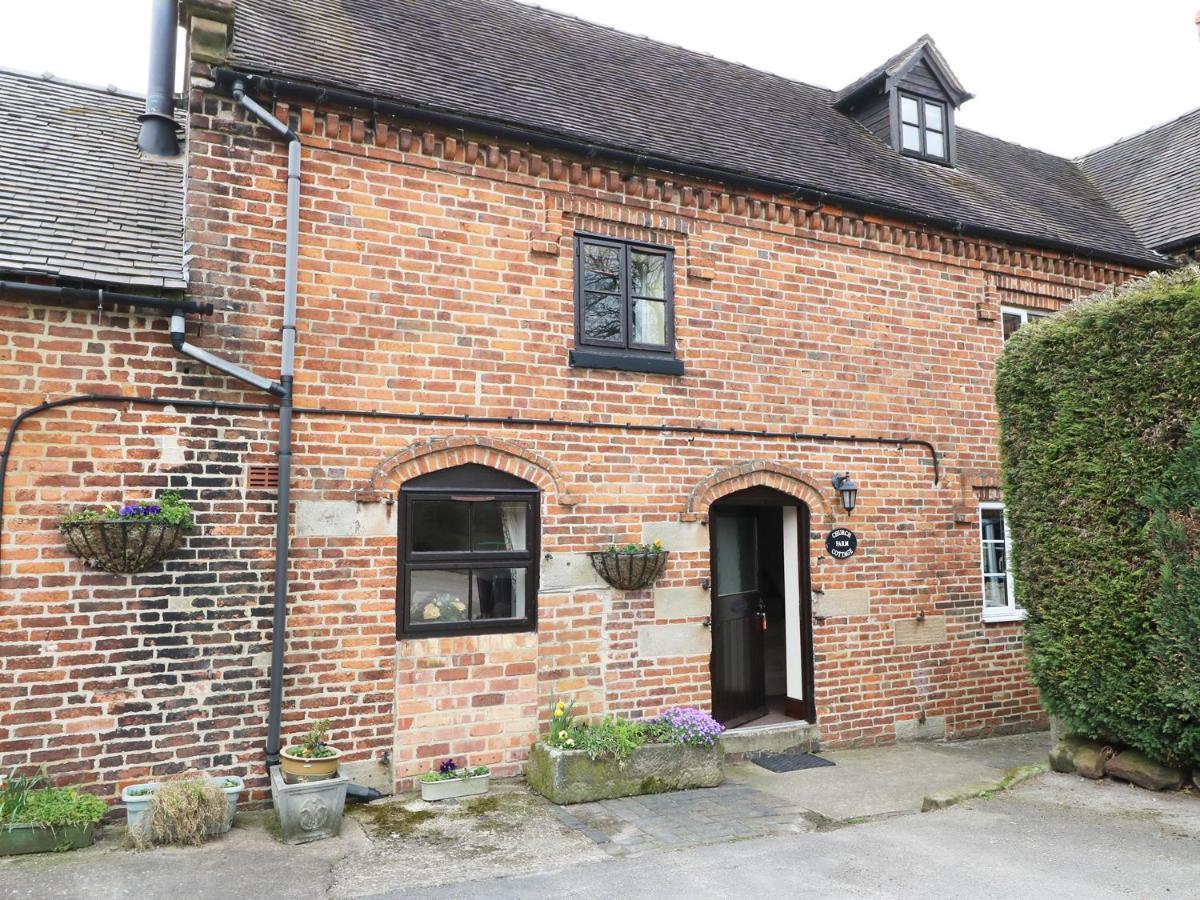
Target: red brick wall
[{"x": 436, "y": 276}]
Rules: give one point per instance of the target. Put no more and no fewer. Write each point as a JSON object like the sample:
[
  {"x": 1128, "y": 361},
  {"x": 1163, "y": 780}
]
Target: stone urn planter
[
  {"x": 571, "y": 776},
  {"x": 122, "y": 547},
  {"x": 309, "y": 810},
  {"x": 629, "y": 570},
  {"x": 136, "y": 798}
]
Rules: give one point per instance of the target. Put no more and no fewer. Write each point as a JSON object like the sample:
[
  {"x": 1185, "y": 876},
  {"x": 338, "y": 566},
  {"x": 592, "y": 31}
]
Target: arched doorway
[{"x": 761, "y": 663}]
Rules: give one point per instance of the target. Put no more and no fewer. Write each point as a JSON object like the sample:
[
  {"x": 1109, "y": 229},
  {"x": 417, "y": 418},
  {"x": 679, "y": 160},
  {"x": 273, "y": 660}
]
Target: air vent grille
[{"x": 262, "y": 478}]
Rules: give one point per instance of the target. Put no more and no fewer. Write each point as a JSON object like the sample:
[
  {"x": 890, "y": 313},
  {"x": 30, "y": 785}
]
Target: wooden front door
[{"x": 738, "y": 684}]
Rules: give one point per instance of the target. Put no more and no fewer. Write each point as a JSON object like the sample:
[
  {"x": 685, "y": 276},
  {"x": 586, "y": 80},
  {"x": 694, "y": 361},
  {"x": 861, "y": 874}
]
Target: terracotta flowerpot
[{"x": 296, "y": 769}]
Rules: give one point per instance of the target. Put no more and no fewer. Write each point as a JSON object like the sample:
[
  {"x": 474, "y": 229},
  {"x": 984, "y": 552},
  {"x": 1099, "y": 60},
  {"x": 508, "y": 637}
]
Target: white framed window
[
  {"x": 995, "y": 544},
  {"x": 1013, "y": 317}
]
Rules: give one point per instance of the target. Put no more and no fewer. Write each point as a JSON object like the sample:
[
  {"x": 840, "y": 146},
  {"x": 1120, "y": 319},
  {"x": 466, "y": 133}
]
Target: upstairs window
[
  {"x": 923, "y": 128},
  {"x": 468, "y": 553},
  {"x": 1012, "y": 318},
  {"x": 624, "y": 306}
]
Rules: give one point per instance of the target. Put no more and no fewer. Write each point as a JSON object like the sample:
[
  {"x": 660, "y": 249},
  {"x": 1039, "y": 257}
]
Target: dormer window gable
[{"x": 909, "y": 103}]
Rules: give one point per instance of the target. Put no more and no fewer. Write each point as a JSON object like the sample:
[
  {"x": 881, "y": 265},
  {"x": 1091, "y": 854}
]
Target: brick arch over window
[
  {"x": 432, "y": 454},
  {"x": 757, "y": 473}
]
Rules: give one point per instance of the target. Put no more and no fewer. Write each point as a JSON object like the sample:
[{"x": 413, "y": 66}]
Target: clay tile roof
[
  {"x": 1151, "y": 178},
  {"x": 498, "y": 60},
  {"x": 76, "y": 199}
]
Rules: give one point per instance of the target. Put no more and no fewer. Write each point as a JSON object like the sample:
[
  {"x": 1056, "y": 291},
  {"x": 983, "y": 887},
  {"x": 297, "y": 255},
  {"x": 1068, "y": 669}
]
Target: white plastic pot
[
  {"x": 449, "y": 788},
  {"x": 137, "y": 804}
]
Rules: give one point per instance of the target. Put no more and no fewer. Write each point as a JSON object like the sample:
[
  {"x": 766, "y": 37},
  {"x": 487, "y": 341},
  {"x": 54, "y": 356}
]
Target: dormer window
[
  {"x": 923, "y": 127},
  {"x": 908, "y": 103}
]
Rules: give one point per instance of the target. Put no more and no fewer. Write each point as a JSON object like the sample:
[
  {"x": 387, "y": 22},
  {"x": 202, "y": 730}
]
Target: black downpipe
[
  {"x": 287, "y": 364},
  {"x": 522, "y": 134},
  {"x": 103, "y": 298}
]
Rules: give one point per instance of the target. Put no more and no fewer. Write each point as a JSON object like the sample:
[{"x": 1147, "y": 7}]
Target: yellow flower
[
  {"x": 431, "y": 611},
  {"x": 459, "y": 605},
  {"x": 569, "y": 742},
  {"x": 562, "y": 735},
  {"x": 658, "y": 543}
]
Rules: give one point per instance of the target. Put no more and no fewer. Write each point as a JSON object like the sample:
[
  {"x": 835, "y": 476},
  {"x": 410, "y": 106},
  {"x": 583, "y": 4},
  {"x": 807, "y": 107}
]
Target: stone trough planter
[{"x": 570, "y": 776}]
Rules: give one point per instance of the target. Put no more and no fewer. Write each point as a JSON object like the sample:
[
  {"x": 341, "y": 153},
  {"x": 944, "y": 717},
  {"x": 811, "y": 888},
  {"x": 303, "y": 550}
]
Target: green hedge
[{"x": 1101, "y": 483}]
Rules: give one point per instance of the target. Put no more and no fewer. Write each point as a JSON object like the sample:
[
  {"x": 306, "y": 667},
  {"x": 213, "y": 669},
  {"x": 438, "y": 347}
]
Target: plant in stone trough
[
  {"x": 562, "y": 718},
  {"x": 686, "y": 725},
  {"x": 616, "y": 738}
]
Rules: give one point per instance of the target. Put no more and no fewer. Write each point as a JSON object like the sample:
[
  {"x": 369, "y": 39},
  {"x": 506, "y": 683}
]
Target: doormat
[{"x": 790, "y": 762}]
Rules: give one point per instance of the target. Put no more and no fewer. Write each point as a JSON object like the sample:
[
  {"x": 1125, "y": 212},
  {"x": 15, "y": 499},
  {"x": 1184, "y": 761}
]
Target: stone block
[
  {"x": 343, "y": 518},
  {"x": 932, "y": 729},
  {"x": 910, "y": 632},
  {"x": 684, "y": 639},
  {"x": 371, "y": 773},
  {"x": 1081, "y": 756},
  {"x": 745, "y": 742},
  {"x": 569, "y": 572},
  {"x": 681, "y": 536},
  {"x": 1136, "y": 767},
  {"x": 570, "y": 776},
  {"x": 842, "y": 602},
  {"x": 681, "y": 603}
]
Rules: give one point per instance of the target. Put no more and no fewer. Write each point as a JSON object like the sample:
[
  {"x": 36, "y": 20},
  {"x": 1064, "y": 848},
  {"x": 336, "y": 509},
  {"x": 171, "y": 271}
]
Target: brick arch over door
[
  {"x": 436, "y": 453},
  {"x": 758, "y": 473}
]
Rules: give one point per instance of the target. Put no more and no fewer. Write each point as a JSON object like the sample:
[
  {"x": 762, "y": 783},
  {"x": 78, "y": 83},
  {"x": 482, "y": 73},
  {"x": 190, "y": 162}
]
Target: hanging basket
[
  {"x": 122, "y": 547},
  {"x": 629, "y": 571}
]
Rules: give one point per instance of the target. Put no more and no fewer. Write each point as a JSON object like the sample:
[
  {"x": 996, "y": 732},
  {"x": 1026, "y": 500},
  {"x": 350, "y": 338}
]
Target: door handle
[{"x": 706, "y": 622}]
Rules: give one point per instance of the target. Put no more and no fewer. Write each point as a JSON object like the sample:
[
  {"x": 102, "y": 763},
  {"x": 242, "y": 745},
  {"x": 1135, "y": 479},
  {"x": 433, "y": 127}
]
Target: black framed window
[
  {"x": 624, "y": 305},
  {"x": 923, "y": 128},
  {"x": 468, "y": 553}
]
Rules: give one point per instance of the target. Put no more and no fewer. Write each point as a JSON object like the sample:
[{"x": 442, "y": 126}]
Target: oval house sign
[{"x": 841, "y": 543}]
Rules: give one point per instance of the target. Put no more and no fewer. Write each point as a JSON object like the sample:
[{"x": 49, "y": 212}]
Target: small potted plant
[
  {"x": 630, "y": 567},
  {"x": 312, "y": 759},
  {"x": 130, "y": 538},
  {"x": 36, "y": 817},
  {"x": 452, "y": 780}
]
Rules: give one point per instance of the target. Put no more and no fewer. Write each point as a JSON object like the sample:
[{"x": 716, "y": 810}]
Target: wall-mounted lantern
[{"x": 847, "y": 488}]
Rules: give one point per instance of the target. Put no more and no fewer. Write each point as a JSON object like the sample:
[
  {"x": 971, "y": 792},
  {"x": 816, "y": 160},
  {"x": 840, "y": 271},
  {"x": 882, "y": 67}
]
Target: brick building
[{"x": 557, "y": 288}]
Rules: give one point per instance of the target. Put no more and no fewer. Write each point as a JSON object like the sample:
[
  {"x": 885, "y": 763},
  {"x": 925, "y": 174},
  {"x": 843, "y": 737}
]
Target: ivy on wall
[{"x": 1101, "y": 465}]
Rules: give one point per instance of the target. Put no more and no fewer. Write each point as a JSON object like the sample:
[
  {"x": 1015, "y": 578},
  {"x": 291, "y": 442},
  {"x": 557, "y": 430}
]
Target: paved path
[
  {"x": 1056, "y": 837},
  {"x": 755, "y": 802}
]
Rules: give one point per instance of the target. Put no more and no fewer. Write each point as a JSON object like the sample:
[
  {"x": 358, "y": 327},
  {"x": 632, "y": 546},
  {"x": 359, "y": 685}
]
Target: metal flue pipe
[{"x": 159, "y": 136}]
